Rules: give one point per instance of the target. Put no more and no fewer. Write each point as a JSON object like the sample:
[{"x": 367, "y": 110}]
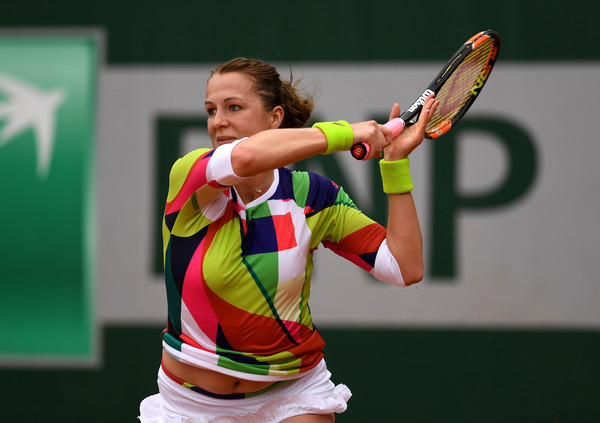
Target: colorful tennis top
[{"x": 238, "y": 275}]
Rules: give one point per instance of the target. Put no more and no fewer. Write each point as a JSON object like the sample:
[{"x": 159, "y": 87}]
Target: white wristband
[{"x": 219, "y": 166}]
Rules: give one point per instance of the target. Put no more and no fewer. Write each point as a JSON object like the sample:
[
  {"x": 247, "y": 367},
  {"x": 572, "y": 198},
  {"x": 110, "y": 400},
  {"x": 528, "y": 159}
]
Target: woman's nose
[{"x": 219, "y": 119}]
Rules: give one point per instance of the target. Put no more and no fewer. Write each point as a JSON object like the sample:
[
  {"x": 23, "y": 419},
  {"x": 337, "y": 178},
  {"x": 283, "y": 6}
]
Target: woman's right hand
[{"x": 375, "y": 135}]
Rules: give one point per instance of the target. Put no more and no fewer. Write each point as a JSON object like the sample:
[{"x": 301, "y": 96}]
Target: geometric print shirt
[{"x": 238, "y": 275}]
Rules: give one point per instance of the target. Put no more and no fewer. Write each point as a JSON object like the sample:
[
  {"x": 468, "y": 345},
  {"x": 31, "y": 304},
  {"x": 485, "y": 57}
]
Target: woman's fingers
[{"x": 395, "y": 111}]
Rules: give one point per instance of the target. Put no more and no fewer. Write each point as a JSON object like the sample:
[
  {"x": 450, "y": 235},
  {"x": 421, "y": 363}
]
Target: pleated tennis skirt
[{"x": 313, "y": 393}]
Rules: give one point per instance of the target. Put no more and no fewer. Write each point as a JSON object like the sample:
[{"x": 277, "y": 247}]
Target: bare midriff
[{"x": 209, "y": 380}]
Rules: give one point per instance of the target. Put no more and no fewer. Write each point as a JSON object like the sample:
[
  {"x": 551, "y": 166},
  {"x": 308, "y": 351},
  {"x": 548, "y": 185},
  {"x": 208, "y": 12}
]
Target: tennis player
[{"x": 240, "y": 230}]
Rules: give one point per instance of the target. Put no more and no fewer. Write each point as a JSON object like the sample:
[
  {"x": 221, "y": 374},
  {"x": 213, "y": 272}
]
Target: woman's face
[{"x": 234, "y": 110}]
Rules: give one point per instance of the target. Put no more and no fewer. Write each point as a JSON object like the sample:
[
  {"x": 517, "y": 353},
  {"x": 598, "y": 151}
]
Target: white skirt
[{"x": 313, "y": 393}]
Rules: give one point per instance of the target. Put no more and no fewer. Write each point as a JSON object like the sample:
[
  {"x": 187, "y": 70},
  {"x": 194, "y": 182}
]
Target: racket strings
[{"x": 456, "y": 92}]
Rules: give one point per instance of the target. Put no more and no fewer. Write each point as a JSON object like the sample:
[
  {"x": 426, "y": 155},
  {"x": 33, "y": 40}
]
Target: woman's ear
[{"x": 276, "y": 117}]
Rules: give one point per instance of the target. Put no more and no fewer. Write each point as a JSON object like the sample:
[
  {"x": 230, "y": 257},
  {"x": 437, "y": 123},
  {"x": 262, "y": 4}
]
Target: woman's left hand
[{"x": 412, "y": 136}]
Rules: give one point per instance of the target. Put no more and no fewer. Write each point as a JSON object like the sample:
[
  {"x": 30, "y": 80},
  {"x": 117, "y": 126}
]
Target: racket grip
[
  {"x": 396, "y": 125},
  {"x": 360, "y": 150}
]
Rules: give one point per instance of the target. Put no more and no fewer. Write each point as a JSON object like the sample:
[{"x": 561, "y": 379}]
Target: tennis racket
[{"x": 456, "y": 87}]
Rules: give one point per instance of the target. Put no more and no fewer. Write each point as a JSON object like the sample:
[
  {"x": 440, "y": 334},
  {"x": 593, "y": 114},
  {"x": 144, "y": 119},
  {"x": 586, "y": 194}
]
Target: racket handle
[
  {"x": 360, "y": 150},
  {"x": 396, "y": 125}
]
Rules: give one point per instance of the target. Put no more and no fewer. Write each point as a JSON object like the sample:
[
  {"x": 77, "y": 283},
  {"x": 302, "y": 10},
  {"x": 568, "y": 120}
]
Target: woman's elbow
[
  {"x": 243, "y": 160},
  {"x": 413, "y": 275}
]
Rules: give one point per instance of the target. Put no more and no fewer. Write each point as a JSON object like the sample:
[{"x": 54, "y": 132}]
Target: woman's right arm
[
  {"x": 206, "y": 173},
  {"x": 276, "y": 148}
]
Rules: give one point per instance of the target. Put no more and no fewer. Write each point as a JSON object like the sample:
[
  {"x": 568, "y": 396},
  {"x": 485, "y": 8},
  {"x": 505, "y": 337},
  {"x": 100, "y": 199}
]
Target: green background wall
[
  {"x": 153, "y": 31},
  {"x": 421, "y": 376},
  {"x": 482, "y": 375}
]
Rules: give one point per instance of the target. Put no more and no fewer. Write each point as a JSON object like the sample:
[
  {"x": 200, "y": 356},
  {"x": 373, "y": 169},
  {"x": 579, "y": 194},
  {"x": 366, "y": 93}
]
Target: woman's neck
[{"x": 252, "y": 188}]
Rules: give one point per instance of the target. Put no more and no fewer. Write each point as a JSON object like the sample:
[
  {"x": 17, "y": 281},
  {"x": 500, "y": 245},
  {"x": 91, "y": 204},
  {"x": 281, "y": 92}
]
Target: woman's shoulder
[
  {"x": 185, "y": 163},
  {"x": 306, "y": 175},
  {"x": 190, "y": 157},
  {"x": 307, "y": 179},
  {"x": 313, "y": 189}
]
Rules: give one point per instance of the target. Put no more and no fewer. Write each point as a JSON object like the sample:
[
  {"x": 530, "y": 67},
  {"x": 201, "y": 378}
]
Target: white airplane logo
[{"x": 28, "y": 107}]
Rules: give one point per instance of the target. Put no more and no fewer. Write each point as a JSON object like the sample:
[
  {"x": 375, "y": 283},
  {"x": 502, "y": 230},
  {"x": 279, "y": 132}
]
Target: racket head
[{"x": 459, "y": 83}]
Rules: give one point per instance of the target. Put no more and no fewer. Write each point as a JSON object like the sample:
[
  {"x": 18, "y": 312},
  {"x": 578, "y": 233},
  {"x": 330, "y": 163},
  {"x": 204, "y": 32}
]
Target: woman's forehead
[{"x": 230, "y": 82}]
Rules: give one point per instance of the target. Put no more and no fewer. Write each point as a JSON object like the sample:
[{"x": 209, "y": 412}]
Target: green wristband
[
  {"x": 395, "y": 176},
  {"x": 339, "y": 135}
]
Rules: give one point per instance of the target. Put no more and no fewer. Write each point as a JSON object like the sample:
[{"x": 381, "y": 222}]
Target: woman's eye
[
  {"x": 211, "y": 112},
  {"x": 235, "y": 108}
]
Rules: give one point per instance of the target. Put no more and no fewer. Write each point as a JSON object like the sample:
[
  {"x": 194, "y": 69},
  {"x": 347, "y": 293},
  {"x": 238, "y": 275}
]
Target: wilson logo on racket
[
  {"x": 421, "y": 100},
  {"x": 481, "y": 79},
  {"x": 485, "y": 72}
]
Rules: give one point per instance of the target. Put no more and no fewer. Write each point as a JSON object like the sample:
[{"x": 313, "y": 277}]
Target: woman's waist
[
  {"x": 210, "y": 380},
  {"x": 281, "y": 359}
]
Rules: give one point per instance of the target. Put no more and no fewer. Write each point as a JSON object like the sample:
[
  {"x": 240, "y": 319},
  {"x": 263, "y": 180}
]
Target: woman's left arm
[{"x": 403, "y": 229}]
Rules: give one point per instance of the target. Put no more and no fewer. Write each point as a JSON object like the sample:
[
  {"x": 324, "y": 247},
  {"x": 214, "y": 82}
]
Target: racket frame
[{"x": 409, "y": 117}]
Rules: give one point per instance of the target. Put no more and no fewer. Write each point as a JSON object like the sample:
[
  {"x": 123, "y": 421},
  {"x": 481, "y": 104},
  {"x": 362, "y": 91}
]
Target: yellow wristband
[
  {"x": 395, "y": 176},
  {"x": 339, "y": 135}
]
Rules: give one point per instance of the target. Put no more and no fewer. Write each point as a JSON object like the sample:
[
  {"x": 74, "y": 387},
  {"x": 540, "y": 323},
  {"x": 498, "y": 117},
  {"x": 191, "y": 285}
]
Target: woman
[{"x": 239, "y": 233}]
